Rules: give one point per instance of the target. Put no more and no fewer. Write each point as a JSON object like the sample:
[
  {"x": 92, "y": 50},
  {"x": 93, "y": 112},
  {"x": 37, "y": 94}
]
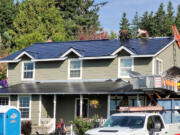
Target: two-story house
[{"x": 52, "y": 80}]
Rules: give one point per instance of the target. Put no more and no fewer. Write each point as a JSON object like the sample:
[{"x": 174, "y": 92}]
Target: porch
[{"x": 52, "y": 101}]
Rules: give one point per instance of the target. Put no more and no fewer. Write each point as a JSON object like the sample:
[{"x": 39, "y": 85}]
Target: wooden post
[
  {"x": 81, "y": 105},
  {"x": 108, "y": 105},
  {"x": 40, "y": 107},
  {"x": 54, "y": 111}
]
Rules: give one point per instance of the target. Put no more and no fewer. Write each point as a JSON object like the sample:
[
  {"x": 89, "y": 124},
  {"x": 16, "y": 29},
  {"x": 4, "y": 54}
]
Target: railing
[
  {"x": 49, "y": 124},
  {"x": 151, "y": 82}
]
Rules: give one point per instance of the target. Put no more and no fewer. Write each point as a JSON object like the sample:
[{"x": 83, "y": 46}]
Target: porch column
[
  {"x": 108, "y": 105},
  {"x": 40, "y": 106},
  {"x": 138, "y": 101},
  {"x": 81, "y": 105},
  {"x": 54, "y": 111}
]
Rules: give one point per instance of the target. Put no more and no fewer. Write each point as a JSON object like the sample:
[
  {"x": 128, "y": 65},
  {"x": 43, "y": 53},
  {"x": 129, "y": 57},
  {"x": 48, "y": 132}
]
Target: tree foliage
[
  {"x": 158, "y": 23},
  {"x": 80, "y": 14},
  {"x": 8, "y": 10},
  {"x": 39, "y": 16},
  {"x": 124, "y": 24}
]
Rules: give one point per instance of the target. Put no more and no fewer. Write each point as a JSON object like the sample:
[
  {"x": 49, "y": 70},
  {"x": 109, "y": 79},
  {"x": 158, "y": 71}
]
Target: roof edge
[{"x": 121, "y": 48}]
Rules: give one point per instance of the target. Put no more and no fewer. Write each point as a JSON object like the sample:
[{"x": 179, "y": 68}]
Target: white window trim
[
  {"x": 30, "y": 99},
  {"x": 22, "y": 72},
  {"x": 9, "y": 99},
  {"x": 76, "y": 106},
  {"x": 24, "y": 53},
  {"x": 71, "y": 50},
  {"x": 81, "y": 69},
  {"x": 119, "y": 65},
  {"x": 154, "y": 66}
]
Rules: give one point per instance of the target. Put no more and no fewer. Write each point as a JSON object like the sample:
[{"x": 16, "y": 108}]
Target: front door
[{"x": 84, "y": 108}]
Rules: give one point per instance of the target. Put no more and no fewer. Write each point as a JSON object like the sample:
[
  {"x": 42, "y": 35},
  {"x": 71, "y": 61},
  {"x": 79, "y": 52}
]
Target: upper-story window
[
  {"x": 159, "y": 66},
  {"x": 125, "y": 65},
  {"x": 28, "y": 70},
  {"x": 75, "y": 69}
]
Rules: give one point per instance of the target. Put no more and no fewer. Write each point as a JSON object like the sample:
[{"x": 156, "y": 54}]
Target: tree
[
  {"x": 91, "y": 35},
  {"x": 37, "y": 17},
  {"x": 135, "y": 25},
  {"x": 152, "y": 24},
  {"x": 124, "y": 24},
  {"x": 160, "y": 19},
  {"x": 8, "y": 10},
  {"x": 169, "y": 18},
  {"x": 144, "y": 24},
  {"x": 112, "y": 35},
  {"x": 80, "y": 14},
  {"x": 177, "y": 21}
]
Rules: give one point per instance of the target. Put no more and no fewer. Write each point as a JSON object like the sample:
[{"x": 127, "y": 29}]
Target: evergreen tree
[
  {"x": 112, "y": 35},
  {"x": 152, "y": 24},
  {"x": 169, "y": 18},
  {"x": 135, "y": 25},
  {"x": 124, "y": 24},
  {"x": 160, "y": 19},
  {"x": 177, "y": 22},
  {"x": 144, "y": 24},
  {"x": 7, "y": 14},
  {"x": 80, "y": 14},
  {"x": 38, "y": 18}
]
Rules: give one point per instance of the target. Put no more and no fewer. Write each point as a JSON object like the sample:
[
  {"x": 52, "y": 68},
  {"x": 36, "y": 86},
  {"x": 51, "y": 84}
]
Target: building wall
[
  {"x": 168, "y": 57},
  {"x": 47, "y": 106},
  {"x": 92, "y": 69},
  {"x": 13, "y": 100},
  {"x": 65, "y": 108},
  {"x": 35, "y": 109},
  {"x": 143, "y": 65}
]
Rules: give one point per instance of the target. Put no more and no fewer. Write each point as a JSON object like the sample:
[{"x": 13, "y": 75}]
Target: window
[
  {"x": 24, "y": 106},
  {"x": 115, "y": 104},
  {"x": 28, "y": 72},
  {"x": 159, "y": 66},
  {"x": 133, "y": 101},
  {"x": 4, "y": 100},
  {"x": 75, "y": 69},
  {"x": 126, "y": 64}
]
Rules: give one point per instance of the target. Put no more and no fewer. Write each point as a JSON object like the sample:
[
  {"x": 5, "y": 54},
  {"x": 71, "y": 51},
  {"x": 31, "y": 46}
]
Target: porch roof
[{"x": 106, "y": 87}]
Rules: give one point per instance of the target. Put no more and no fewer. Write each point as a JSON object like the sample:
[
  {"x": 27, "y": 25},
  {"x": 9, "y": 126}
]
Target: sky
[{"x": 111, "y": 14}]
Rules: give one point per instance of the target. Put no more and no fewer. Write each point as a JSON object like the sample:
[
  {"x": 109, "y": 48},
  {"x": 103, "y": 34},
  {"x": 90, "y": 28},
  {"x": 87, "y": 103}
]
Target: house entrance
[{"x": 85, "y": 108}]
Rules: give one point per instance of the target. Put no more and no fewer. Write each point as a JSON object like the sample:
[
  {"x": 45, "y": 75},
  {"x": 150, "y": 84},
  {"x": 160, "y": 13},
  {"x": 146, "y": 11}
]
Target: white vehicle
[{"x": 136, "y": 124}]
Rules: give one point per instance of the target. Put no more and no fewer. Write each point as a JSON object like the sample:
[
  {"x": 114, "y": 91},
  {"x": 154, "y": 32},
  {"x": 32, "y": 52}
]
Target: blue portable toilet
[{"x": 10, "y": 121}]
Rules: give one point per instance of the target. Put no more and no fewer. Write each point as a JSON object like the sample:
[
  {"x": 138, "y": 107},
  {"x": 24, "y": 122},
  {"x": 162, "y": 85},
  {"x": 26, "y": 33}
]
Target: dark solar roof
[
  {"x": 107, "y": 87},
  {"x": 93, "y": 48}
]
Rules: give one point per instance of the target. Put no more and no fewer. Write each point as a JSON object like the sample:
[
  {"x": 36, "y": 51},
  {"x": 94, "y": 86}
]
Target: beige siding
[
  {"x": 167, "y": 57},
  {"x": 14, "y": 73},
  {"x": 13, "y": 99},
  {"x": 47, "y": 106},
  {"x": 51, "y": 70},
  {"x": 100, "y": 69},
  {"x": 143, "y": 65},
  {"x": 35, "y": 109}
]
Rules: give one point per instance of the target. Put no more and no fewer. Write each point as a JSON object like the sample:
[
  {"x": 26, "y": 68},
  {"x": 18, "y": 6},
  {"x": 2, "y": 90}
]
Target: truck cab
[{"x": 132, "y": 124}]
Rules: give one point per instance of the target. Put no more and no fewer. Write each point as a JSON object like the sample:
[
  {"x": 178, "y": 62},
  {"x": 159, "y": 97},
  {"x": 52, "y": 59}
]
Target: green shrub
[{"x": 82, "y": 125}]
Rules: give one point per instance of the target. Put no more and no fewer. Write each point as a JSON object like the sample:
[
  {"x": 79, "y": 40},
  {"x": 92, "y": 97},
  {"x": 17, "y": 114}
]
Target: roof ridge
[{"x": 72, "y": 41}]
